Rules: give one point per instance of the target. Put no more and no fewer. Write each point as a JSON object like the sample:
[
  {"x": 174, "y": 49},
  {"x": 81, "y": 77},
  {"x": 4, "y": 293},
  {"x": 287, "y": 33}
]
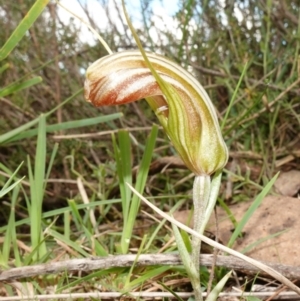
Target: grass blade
[
  {"x": 9, "y": 136},
  {"x": 16, "y": 87},
  {"x": 12, "y": 226},
  {"x": 7, "y": 187},
  {"x": 214, "y": 294},
  {"x": 10, "y": 237},
  {"x": 124, "y": 174},
  {"x": 148, "y": 275},
  {"x": 68, "y": 125},
  {"x": 75, "y": 246},
  {"x": 53, "y": 213},
  {"x": 125, "y": 171},
  {"x": 98, "y": 249},
  {"x": 37, "y": 190},
  {"x": 234, "y": 95},
  {"x": 23, "y": 26},
  {"x": 140, "y": 185},
  {"x": 54, "y": 152},
  {"x": 144, "y": 168},
  {"x": 4, "y": 67},
  {"x": 40, "y": 162},
  {"x": 76, "y": 217}
]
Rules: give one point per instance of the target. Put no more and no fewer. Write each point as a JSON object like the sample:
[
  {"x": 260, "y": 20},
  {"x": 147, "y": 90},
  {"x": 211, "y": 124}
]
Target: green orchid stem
[
  {"x": 201, "y": 192},
  {"x": 213, "y": 196},
  {"x": 191, "y": 269},
  {"x": 205, "y": 193}
]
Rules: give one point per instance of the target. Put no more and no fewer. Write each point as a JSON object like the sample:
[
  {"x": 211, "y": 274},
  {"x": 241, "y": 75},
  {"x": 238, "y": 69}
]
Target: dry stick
[
  {"x": 277, "y": 292},
  {"x": 98, "y": 263},
  {"x": 214, "y": 244},
  {"x": 146, "y": 295}
]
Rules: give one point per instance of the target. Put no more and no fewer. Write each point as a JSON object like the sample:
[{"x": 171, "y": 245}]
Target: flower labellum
[{"x": 185, "y": 111}]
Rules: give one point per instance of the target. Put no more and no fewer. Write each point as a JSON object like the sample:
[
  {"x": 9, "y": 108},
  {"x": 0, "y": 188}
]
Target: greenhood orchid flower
[{"x": 186, "y": 112}]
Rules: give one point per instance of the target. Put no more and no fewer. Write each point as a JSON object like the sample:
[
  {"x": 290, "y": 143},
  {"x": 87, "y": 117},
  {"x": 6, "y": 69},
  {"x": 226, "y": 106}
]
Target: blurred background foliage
[{"x": 215, "y": 40}]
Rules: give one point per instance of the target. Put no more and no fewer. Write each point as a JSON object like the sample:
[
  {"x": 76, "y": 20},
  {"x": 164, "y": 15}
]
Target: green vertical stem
[
  {"x": 213, "y": 196},
  {"x": 192, "y": 271},
  {"x": 201, "y": 193}
]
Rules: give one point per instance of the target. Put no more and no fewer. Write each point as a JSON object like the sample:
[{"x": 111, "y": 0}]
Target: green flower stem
[
  {"x": 205, "y": 193},
  {"x": 201, "y": 193},
  {"x": 192, "y": 271},
  {"x": 214, "y": 191}
]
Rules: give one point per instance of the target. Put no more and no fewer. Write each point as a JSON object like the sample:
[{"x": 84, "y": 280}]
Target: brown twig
[
  {"x": 146, "y": 295},
  {"x": 92, "y": 264}
]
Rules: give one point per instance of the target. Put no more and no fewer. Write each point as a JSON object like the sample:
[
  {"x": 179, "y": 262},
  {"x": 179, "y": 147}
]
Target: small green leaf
[{"x": 214, "y": 294}]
